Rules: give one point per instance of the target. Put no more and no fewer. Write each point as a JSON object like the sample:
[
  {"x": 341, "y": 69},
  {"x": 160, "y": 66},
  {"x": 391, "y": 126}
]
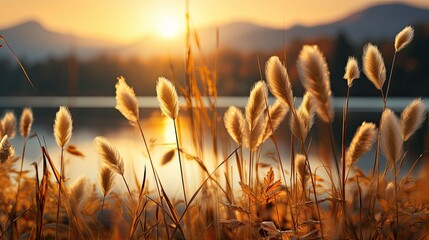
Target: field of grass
[{"x": 243, "y": 192}]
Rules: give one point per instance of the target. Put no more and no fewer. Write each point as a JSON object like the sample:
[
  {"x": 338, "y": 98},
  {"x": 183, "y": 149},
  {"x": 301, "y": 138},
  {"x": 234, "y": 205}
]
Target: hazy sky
[{"x": 129, "y": 19}]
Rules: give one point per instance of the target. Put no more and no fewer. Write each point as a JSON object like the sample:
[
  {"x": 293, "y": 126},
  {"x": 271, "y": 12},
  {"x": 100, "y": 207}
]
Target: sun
[{"x": 168, "y": 27}]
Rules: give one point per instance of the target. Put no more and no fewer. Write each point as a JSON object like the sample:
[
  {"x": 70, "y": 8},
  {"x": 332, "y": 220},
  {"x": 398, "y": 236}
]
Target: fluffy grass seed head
[
  {"x": 352, "y": 71},
  {"x": 167, "y": 98},
  {"x": 233, "y": 120},
  {"x": 361, "y": 143},
  {"x": 6, "y": 149},
  {"x": 373, "y": 65},
  {"x": 106, "y": 180},
  {"x": 26, "y": 122},
  {"x": 314, "y": 74},
  {"x": 253, "y": 138},
  {"x": 305, "y": 118},
  {"x": 80, "y": 192},
  {"x": 391, "y": 136},
  {"x": 277, "y": 113},
  {"x": 412, "y": 118},
  {"x": 278, "y": 81},
  {"x": 301, "y": 168},
  {"x": 110, "y": 155},
  {"x": 126, "y": 101},
  {"x": 256, "y": 104},
  {"x": 403, "y": 38},
  {"x": 63, "y": 126},
  {"x": 8, "y": 125}
]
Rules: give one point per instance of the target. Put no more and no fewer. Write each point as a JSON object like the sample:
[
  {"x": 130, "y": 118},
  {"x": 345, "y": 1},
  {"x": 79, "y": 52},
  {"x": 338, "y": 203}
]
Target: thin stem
[
  {"x": 343, "y": 145},
  {"x": 19, "y": 179},
  {"x": 396, "y": 199},
  {"x": 128, "y": 188},
  {"x": 19, "y": 63},
  {"x": 155, "y": 175},
  {"x": 304, "y": 150},
  {"x": 333, "y": 151},
  {"x": 390, "y": 76},
  {"x": 59, "y": 191},
  {"x": 282, "y": 169},
  {"x": 101, "y": 217},
  {"x": 180, "y": 162}
]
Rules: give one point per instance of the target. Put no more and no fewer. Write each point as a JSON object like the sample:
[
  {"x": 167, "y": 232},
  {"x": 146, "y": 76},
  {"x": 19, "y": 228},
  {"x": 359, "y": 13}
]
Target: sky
[{"x": 126, "y": 21}]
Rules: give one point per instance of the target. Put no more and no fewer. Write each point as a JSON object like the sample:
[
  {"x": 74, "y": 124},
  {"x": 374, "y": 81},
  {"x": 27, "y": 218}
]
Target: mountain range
[{"x": 33, "y": 42}]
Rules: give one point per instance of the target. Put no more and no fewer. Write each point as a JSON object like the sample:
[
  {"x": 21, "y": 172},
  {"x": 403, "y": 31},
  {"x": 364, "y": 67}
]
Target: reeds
[
  {"x": 63, "y": 127},
  {"x": 270, "y": 209},
  {"x": 6, "y": 149},
  {"x": 403, "y": 38},
  {"x": 8, "y": 125},
  {"x": 126, "y": 101},
  {"x": 373, "y": 66},
  {"x": 362, "y": 142},
  {"x": 26, "y": 122},
  {"x": 234, "y": 120},
  {"x": 412, "y": 118},
  {"x": 314, "y": 75}
]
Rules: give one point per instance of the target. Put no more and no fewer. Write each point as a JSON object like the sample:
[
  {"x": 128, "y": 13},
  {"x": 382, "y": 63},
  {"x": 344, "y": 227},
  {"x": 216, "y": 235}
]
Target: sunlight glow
[
  {"x": 168, "y": 27},
  {"x": 169, "y": 135}
]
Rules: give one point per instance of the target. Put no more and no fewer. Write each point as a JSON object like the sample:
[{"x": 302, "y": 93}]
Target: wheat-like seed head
[
  {"x": 106, "y": 180},
  {"x": 403, "y": 38},
  {"x": 63, "y": 126},
  {"x": 373, "y": 66},
  {"x": 314, "y": 74},
  {"x": 391, "y": 137},
  {"x": 253, "y": 138},
  {"x": 26, "y": 122},
  {"x": 390, "y": 190},
  {"x": 301, "y": 167},
  {"x": 305, "y": 118},
  {"x": 412, "y": 118},
  {"x": 79, "y": 192},
  {"x": 233, "y": 120},
  {"x": 126, "y": 101},
  {"x": 278, "y": 81},
  {"x": 362, "y": 142},
  {"x": 8, "y": 125},
  {"x": 167, "y": 98},
  {"x": 6, "y": 149},
  {"x": 352, "y": 71},
  {"x": 110, "y": 155},
  {"x": 277, "y": 113},
  {"x": 256, "y": 104}
]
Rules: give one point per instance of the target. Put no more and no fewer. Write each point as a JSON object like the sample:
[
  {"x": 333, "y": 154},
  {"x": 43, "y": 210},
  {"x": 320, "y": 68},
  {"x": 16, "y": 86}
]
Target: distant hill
[{"x": 33, "y": 42}]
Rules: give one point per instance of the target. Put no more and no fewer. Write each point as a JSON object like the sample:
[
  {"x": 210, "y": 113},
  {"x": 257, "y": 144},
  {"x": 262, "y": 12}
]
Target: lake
[{"x": 96, "y": 116}]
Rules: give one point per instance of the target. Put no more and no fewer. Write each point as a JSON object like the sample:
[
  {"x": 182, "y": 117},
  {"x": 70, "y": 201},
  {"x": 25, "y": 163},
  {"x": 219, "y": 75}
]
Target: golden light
[
  {"x": 169, "y": 135},
  {"x": 169, "y": 27}
]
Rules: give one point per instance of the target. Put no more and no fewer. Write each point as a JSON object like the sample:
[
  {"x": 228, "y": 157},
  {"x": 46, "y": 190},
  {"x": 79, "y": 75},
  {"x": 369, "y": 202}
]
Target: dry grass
[{"x": 261, "y": 201}]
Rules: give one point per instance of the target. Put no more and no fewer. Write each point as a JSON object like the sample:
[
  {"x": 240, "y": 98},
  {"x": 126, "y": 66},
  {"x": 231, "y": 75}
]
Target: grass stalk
[
  {"x": 180, "y": 163},
  {"x": 343, "y": 145},
  {"x": 101, "y": 218},
  {"x": 59, "y": 191}
]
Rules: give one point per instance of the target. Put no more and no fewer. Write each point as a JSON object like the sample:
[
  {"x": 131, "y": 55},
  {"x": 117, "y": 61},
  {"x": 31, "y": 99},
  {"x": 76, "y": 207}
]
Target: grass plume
[
  {"x": 279, "y": 82},
  {"x": 373, "y": 66},
  {"x": 126, "y": 101},
  {"x": 403, "y": 38},
  {"x": 314, "y": 75},
  {"x": 412, "y": 118}
]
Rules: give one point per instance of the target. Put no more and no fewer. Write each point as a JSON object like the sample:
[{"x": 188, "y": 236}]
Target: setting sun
[{"x": 168, "y": 27}]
